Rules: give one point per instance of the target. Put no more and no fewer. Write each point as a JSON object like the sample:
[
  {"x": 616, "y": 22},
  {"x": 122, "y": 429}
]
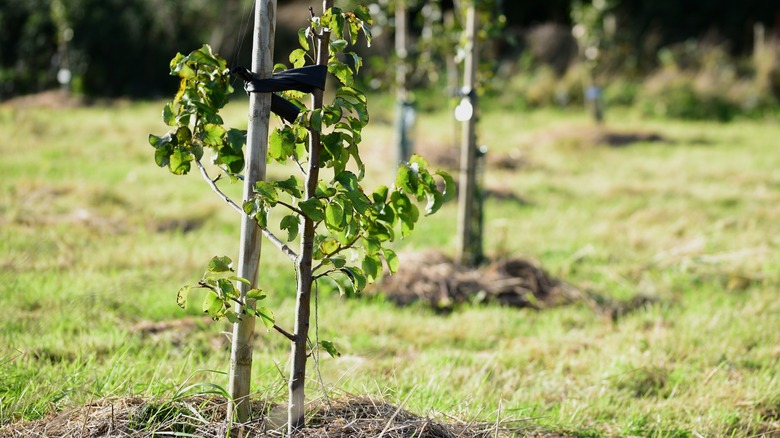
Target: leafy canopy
[{"x": 353, "y": 227}]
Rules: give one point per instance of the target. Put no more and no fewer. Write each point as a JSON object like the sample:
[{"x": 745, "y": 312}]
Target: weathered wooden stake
[
  {"x": 468, "y": 241},
  {"x": 404, "y": 108},
  {"x": 249, "y": 256}
]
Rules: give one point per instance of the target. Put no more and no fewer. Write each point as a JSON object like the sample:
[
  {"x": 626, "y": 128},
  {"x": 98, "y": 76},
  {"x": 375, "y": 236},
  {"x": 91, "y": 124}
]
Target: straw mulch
[
  {"x": 434, "y": 279},
  {"x": 203, "y": 416}
]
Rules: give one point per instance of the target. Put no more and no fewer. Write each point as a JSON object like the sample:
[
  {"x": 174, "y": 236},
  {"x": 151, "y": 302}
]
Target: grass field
[{"x": 95, "y": 240}]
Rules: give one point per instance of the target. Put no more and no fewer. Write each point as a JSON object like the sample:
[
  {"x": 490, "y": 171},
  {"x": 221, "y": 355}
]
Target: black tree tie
[{"x": 305, "y": 79}]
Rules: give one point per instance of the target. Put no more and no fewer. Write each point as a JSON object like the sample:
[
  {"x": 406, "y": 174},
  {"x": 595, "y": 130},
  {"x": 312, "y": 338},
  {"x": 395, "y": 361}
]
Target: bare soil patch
[
  {"x": 51, "y": 99},
  {"x": 355, "y": 417},
  {"x": 592, "y": 136},
  {"x": 448, "y": 157}
]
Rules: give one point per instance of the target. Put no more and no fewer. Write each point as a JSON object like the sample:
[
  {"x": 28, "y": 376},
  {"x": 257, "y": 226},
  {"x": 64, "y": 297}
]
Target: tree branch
[
  {"x": 281, "y": 245},
  {"x": 269, "y": 235},
  {"x": 335, "y": 251},
  {"x": 324, "y": 274},
  {"x": 213, "y": 185},
  {"x": 285, "y": 333},
  {"x": 296, "y": 210}
]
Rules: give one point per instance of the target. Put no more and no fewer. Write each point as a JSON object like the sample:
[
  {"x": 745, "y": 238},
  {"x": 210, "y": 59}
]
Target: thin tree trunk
[
  {"x": 249, "y": 256},
  {"x": 295, "y": 411},
  {"x": 467, "y": 243}
]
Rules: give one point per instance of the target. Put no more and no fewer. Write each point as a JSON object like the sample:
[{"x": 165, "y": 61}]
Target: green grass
[{"x": 95, "y": 240}]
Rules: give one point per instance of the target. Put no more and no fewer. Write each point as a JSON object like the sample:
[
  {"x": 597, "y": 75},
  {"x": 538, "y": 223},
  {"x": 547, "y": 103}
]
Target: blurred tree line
[{"x": 122, "y": 47}]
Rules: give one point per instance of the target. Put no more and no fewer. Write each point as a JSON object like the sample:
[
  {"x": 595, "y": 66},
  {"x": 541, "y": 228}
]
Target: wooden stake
[
  {"x": 402, "y": 105},
  {"x": 249, "y": 255},
  {"x": 468, "y": 238}
]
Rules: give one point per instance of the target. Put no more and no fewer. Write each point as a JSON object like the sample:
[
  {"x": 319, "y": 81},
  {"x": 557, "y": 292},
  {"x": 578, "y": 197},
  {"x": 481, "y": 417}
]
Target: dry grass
[{"x": 203, "y": 416}]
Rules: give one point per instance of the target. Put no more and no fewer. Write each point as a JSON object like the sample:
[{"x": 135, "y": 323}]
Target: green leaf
[
  {"x": 312, "y": 208},
  {"x": 356, "y": 276},
  {"x": 338, "y": 261},
  {"x": 392, "y": 260},
  {"x": 255, "y": 294},
  {"x": 347, "y": 179},
  {"x": 381, "y": 232},
  {"x": 212, "y": 304},
  {"x": 267, "y": 192},
  {"x": 227, "y": 288},
  {"x": 157, "y": 141},
  {"x": 236, "y": 138},
  {"x": 183, "y": 135},
  {"x": 343, "y": 282},
  {"x": 239, "y": 279},
  {"x": 281, "y": 144},
  {"x": 371, "y": 265},
  {"x": 342, "y": 72},
  {"x": 406, "y": 179},
  {"x": 162, "y": 155},
  {"x": 205, "y": 56},
  {"x": 334, "y": 216},
  {"x": 290, "y": 185},
  {"x": 367, "y": 33},
  {"x": 329, "y": 246},
  {"x": 232, "y": 317},
  {"x": 449, "y": 185},
  {"x": 372, "y": 245},
  {"x": 298, "y": 58},
  {"x": 332, "y": 115},
  {"x": 351, "y": 95},
  {"x": 323, "y": 190},
  {"x": 338, "y": 45},
  {"x": 357, "y": 62},
  {"x": 181, "y": 297},
  {"x": 179, "y": 162},
  {"x": 302, "y": 38},
  {"x": 212, "y": 134},
  {"x": 434, "y": 203},
  {"x": 168, "y": 116},
  {"x": 354, "y": 29},
  {"x": 266, "y": 316},
  {"x": 330, "y": 348},
  {"x": 380, "y": 195},
  {"x": 332, "y": 143},
  {"x": 359, "y": 200},
  {"x": 419, "y": 160},
  {"x": 363, "y": 14},
  {"x": 290, "y": 224},
  {"x": 176, "y": 63},
  {"x": 220, "y": 264},
  {"x": 261, "y": 216},
  {"x": 315, "y": 119}
]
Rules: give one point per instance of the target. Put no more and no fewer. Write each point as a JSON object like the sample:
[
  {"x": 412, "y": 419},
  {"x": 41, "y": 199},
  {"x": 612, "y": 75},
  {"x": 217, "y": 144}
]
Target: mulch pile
[
  {"x": 434, "y": 279},
  {"x": 202, "y": 416}
]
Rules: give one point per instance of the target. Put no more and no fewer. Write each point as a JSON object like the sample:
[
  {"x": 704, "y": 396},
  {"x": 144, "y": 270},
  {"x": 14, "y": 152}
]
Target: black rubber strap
[{"x": 305, "y": 79}]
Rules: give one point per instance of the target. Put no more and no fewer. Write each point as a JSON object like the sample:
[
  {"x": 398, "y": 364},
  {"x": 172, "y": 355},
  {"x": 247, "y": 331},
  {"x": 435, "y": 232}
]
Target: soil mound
[{"x": 435, "y": 279}]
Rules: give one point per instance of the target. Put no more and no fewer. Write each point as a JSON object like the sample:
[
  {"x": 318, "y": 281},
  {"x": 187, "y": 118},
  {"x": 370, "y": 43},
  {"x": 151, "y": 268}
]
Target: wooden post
[
  {"x": 249, "y": 255},
  {"x": 401, "y": 71},
  {"x": 467, "y": 255},
  {"x": 299, "y": 347}
]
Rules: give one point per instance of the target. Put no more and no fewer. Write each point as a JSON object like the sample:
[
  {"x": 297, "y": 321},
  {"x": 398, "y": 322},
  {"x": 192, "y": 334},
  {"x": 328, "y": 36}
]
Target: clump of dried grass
[
  {"x": 435, "y": 279},
  {"x": 203, "y": 416}
]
